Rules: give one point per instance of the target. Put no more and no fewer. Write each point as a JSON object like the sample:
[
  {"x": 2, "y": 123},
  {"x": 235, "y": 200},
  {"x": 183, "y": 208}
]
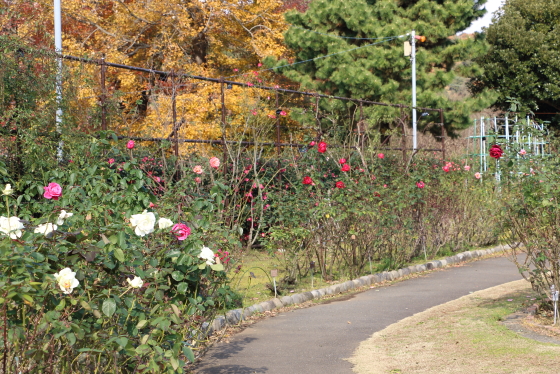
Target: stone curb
[{"x": 235, "y": 316}]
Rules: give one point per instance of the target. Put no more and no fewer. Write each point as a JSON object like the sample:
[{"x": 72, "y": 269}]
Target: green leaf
[
  {"x": 217, "y": 267},
  {"x": 122, "y": 239},
  {"x": 141, "y": 324},
  {"x": 188, "y": 353},
  {"x": 182, "y": 287},
  {"x": 38, "y": 257},
  {"x": 122, "y": 341},
  {"x": 202, "y": 266},
  {"x": 61, "y": 305},
  {"x": 174, "y": 363},
  {"x": 119, "y": 254},
  {"x": 109, "y": 307},
  {"x": 71, "y": 338},
  {"x": 85, "y": 305},
  {"x": 143, "y": 349},
  {"x": 177, "y": 275}
]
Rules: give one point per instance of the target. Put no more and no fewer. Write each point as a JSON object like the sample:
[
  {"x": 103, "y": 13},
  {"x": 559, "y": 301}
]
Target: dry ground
[{"x": 463, "y": 336}]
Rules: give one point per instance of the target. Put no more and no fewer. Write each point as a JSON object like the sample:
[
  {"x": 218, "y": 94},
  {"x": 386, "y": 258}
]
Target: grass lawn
[
  {"x": 254, "y": 290},
  {"x": 463, "y": 336}
]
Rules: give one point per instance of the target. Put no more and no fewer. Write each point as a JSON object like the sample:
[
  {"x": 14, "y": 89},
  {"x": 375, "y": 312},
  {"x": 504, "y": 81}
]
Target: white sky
[{"x": 491, "y": 6}]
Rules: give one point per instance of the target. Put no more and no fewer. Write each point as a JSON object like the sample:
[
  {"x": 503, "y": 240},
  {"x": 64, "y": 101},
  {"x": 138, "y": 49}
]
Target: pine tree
[
  {"x": 523, "y": 63},
  {"x": 380, "y": 72}
]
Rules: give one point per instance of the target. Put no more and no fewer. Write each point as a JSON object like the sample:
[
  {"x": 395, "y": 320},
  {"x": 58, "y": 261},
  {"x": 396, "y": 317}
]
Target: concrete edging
[{"x": 235, "y": 316}]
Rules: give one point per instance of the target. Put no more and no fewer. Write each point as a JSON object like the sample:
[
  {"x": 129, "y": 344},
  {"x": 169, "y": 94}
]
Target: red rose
[
  {"x": 340, "y": 184},
  {"x": 345, "y": 167},
  {"x": 342, "y": 161},
  {"x": 307, "y": 180},
  {"x": 496, "y": 151},
  {"x": 322, "y": 147},
  {"x": 420, "y": 184},
  {"x": 445, "y": 168}
]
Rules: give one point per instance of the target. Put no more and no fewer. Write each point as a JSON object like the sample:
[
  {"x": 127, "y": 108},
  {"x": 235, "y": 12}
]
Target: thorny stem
[{"x": 5, "y": 357}]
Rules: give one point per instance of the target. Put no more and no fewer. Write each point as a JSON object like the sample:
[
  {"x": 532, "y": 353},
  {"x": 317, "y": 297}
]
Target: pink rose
[
  {"x": 130, "y": 144},
  {"x": 420, "y": 184},
  {"x": 381, "y": 156},
  {"x": 522, "y": 152},
  {"x": 477, "y": 175},
  {"x": 111, "y": 161},
  {"x": 198, "y": 169},
  {"x": 53, "y": 191},
  {"x": 445, "y": 168},
  {"x": 181, "y": 231},
  {"x": 282, "y": 113},
  {"x": 467, "y": 168},
  {"x": 215, "y": 162},
  {"x": 312, "y": 143},
  {"x": 197, "y": 180}
]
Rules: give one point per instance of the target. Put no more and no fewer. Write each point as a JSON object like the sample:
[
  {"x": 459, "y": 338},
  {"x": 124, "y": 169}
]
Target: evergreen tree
[
  {"x": 523, "y": 63},
  {"x": 380, "y": 72}
]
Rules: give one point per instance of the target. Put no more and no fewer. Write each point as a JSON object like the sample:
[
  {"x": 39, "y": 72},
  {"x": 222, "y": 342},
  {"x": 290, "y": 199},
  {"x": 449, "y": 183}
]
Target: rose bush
[
  {"x": 373, "y": 214},
  {"x": 89, "y": 282}
]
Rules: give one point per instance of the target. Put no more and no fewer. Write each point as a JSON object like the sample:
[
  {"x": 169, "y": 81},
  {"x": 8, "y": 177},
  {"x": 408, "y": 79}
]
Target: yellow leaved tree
[{"x": 211, "y": 38}]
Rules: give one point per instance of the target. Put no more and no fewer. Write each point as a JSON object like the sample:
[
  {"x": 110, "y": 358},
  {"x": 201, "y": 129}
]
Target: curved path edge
[{"x": 235, "y": 316}]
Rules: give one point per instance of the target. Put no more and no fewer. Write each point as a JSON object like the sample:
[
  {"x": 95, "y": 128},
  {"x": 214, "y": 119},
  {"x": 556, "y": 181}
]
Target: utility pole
[
  {"x": 58, "y": 50},
  {"x": 413, "y": 60},
  {"x": 410, "y": 50}
]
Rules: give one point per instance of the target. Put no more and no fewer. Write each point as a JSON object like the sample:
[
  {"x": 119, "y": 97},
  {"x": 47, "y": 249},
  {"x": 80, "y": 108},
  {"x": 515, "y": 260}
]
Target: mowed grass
[
  {"x": 254, "y": 290},
  {"x": 463, "y": 336}
]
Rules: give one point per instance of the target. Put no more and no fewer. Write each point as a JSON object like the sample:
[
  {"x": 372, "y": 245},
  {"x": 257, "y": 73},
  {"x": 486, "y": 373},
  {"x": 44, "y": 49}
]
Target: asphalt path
[{"x": 317, "y": 340}]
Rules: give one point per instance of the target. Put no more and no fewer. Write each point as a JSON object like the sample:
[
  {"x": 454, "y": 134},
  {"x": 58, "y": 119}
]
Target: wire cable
[
  {"x": 321, "y": 57},
  {"x": 342, "y": 37}
]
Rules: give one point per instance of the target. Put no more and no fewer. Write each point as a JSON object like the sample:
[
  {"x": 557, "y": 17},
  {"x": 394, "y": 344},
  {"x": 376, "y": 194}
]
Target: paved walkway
[{"x": 317, "y": 340}]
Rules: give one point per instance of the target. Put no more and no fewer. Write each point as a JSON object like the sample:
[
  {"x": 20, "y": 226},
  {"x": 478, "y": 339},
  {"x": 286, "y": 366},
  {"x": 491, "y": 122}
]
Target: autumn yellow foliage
[{"x": 212, "y": 38}]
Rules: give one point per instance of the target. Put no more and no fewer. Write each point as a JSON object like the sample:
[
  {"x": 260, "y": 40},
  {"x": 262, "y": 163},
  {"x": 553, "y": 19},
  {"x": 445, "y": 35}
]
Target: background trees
[
  {"x": 380, "y": 72},
  {"x": 523, "y": 62}
]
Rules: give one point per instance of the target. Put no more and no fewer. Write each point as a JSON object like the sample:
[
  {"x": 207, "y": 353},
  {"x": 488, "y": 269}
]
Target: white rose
[
  {"x": 11, "y": 226},
  {"x": 165, "y": 223},
  {"x": 143, "y": 223},
  {"x": 62, "y": 216},
  {"x": 45, "y": 228},
  {"x": 207, "y": 254},
  {"x": 137, "y": 282},
  {"x": 8, "y": 190},
  {"x": 67, "y": 281}
]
